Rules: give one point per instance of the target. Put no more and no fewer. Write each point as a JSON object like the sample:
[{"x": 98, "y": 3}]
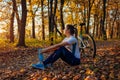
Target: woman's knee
[{"x": 61, "y": 48}]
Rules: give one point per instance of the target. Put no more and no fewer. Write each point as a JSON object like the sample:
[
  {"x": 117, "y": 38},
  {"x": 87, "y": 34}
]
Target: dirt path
[{"x": 16, "y": 65}]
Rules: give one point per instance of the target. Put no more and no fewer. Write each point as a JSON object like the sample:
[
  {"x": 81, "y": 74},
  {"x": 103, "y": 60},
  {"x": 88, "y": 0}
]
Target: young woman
[{"x": 67, "y": 50}]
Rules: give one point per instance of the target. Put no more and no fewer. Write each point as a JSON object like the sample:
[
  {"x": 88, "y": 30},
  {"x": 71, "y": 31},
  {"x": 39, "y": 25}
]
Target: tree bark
[
  {"x": 103, "y": 21},
  {"x": 61, "y": 15},
  {"x": 17, "y": 15},
  {"x": 88, "y": 19},
  {"x": 88, "y": 14},
  {"x": 11, "y": 28},
  {"x": 43, "y": 27},
  {"x": 94, "y": 25},
  {"x": 21, "y": 41},
  {"x": 114, "y": 19},
  {"x": 52, "y": 15},
  {"x": 33, "y": 27}
]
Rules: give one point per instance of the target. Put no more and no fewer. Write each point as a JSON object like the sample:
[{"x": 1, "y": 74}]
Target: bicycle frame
[
  {"x": 80, "y": 37},
  {"x": 82, "y": 43}
]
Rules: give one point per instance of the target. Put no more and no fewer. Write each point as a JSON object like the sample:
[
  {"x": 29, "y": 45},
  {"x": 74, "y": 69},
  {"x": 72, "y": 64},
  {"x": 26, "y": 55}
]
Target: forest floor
[{"x": 16, "y": 65}]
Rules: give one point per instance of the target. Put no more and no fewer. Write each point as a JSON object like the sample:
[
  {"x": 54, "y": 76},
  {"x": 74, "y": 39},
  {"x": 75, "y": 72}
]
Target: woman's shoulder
[{"x": 73, "y": 38}]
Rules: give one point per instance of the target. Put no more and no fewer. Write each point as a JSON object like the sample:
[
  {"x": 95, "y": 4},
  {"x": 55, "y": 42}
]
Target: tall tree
[
  {"x": 21, "y": 41},
  {"x": 90, "y": 4},
  {"x": 33, "y": 14},
  {"x": 12, "y": 24},
  {"x": 103, "y": 20},
  {"x": 61, "y": 14},
  {"x": 52, "y": 17},
  {"x": 17, "y": 15},
  {"x": 115, "y": 12},
  {"x": 43, "y": 27},
  {"x": 12, "y": 28}
]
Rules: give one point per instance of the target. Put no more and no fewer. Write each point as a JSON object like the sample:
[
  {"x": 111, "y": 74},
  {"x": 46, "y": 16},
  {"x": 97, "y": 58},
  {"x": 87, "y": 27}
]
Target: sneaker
[
  {"x": 38, "y": 66},
  {"x": 40, "y": 55}
]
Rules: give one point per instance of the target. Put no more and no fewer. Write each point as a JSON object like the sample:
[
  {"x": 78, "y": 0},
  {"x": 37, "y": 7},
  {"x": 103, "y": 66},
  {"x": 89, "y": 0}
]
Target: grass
[
  {"x": 6, "y": 46},
  {"x": 40, "y": 43}
]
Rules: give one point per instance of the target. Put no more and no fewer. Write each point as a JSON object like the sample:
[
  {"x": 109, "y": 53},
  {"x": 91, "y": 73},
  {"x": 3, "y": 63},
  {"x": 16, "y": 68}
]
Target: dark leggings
[{"x": 65, "y": 55}]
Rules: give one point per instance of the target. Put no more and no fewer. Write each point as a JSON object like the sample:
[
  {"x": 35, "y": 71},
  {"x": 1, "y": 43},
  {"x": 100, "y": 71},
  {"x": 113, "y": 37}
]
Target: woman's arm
[{"x": 54, "y": 47}]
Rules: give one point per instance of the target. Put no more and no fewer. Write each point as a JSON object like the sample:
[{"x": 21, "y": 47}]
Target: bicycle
[{"x": 87, "y": 44}]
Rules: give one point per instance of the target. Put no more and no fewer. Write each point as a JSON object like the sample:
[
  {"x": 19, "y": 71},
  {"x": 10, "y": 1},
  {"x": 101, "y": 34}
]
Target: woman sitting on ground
[{"x": 67, "y": 50}]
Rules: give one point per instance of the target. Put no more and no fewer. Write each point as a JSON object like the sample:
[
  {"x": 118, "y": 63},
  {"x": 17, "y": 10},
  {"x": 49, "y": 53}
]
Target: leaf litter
[{"x": 16, "y": 65}]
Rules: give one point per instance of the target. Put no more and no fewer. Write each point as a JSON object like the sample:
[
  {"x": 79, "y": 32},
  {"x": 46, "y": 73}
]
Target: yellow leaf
[
  {"x": 111, "y": 75},
  {"x": 89, "y": 72},
  {"x": 103, "y": 77},
  {"x": 90, "y": 78},
  {"x": 22, "y": 70},
  {"x": 44, "y": 78}
]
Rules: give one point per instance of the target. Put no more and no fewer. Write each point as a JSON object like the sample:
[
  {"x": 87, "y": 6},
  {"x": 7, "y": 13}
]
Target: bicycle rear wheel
[{"x": 89, "y": 50}]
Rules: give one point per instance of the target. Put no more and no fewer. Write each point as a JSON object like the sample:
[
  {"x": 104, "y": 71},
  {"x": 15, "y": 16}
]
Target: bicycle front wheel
[{"x": 89, "y": 49}]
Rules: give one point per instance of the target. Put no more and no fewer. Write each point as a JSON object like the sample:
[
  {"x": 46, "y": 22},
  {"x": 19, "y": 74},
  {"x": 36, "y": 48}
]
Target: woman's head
[{"x": 70, "y": 30}]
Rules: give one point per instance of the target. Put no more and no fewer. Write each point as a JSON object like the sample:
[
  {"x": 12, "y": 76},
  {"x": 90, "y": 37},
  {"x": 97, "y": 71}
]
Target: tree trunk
[
  {"x": 55, "y": 20},
  {"x": 21, "y": 41},
  {"x": 103, "y": 21},
  {"x": 51, "y": 19},
  {"x": 118, "y": 30},
  {"x": 17, "y": 15},
  {"x": 33, "y": 27},
  {"x": 88, "y": 19},
  {"x": 11, "y": 28},
  {"x": 97, "y": 26},
  {"x": 97, "y": 30},
  {"x": 50, "y": 16},
  {"x": 88, "y": 14},
  {"x": 55, "y": 25},
  {"x": 33, "y": 20},
  {"x": 94, "y": 26},
  {"x": 56, "y": 30},
  {"x": 43, "y": 28},
  {"x": 33, "y": 12},
  {"x": 61, "y": 15},
  {"x": 115, "y": 16}
]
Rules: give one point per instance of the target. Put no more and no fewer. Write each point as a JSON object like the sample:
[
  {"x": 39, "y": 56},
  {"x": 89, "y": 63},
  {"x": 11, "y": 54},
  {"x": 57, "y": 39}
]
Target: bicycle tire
[{"x": 90, "y": 49}]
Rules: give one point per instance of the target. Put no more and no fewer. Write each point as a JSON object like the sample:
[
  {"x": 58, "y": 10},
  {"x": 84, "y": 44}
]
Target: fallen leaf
[
  {"x": 44, "y": 78},
  {"x": 77, "y": 77},
  {"x": 103, "y": 77},
  {"x": 90, "y": 78}
]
